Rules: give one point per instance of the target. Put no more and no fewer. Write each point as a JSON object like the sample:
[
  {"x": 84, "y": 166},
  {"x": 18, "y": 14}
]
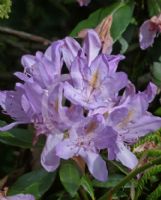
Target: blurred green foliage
[{"x": 5, "y": 8}]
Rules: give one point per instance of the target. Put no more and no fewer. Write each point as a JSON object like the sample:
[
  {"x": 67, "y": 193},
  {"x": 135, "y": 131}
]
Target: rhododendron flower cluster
[{"x": 74, "y": 95}]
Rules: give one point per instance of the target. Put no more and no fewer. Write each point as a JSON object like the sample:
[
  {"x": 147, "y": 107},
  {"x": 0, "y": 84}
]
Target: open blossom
[
  {"x": 131, "y": 120},
  {"x": 40, "y": 72},
  {"x": 85, "y": 139},
  {"x": 15, "y": 104},
  {"x": 92, "y": 86},
  {"x": 93, "y": 75},
  {"x": 56, "y": 116},
  {"x": 23, "y": 104},
  {"x": 149, "y": 30}
]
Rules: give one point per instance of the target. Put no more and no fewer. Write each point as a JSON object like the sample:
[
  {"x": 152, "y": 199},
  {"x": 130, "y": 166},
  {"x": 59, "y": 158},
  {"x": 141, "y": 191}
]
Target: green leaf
[
  {"x": 17, "y": 137},
  {"x": 87, "y": 185},
  {"x": 154, "y": 7},
  {"x": 70, "y": 177},
  {"x": 156, "y": 194},
  {"x": 156, "y": 73},
  {"x": 158, "y": 111},
  {"x": 111, "y": 182},
  {"x": 36, "y": 183},
  {"x": 124, "y": 45},
  {"x": 122, "y": 15}
]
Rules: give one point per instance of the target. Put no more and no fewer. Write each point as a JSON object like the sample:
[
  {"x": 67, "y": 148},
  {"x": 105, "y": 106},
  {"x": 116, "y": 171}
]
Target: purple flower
[
  {"x": 49, "y": 64},
  {"x": 149, "y": 30},
  {"x": 57, "y": 117},
  {"x": 15, "y": 104},
  {"x": 46, "y": 67},
  {"x": 84, "y": 2},
  {"x": 41, "y": 67},
  {"x": 64, "y": 50},
  {"x": 88, "y": 79},
  {"x": 23, "y": 105},
  {"x": 18, "y": 197},
  {"x": 49, "y": 160},
  {"x": 93, "y": 86},
  {"x": 131, "y": 120},
  {"x": 85, "y": 139}
]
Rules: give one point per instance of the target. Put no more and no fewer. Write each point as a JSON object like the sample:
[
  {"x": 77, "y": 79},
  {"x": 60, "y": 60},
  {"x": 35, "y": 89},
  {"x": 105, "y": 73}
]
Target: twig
[
  {"x": 17, "y": 45},
  {"x": 24, "y": 35}
]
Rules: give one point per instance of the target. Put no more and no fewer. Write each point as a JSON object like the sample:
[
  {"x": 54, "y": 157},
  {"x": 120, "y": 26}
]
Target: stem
[
  {"x": 24, "y": 35},
  {"x": 83, "y": 194},
  {"x": 132, "y": 174},
  {"x": 119, "y": 167}
]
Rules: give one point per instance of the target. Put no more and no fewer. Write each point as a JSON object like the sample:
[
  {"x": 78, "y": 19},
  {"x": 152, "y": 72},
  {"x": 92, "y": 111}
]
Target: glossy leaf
[
  {"x": 154, "y": 7},
  {"x": 111, "y": 182},
  {"x": 70, "y": 177},
  {"x": 118, "y": 11},
  {"x": 18, "y": 137},
  {"x": 156, "y": 73},
  {"x": 87, "y": 185},
  {"x": 36, "y": 183}
]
